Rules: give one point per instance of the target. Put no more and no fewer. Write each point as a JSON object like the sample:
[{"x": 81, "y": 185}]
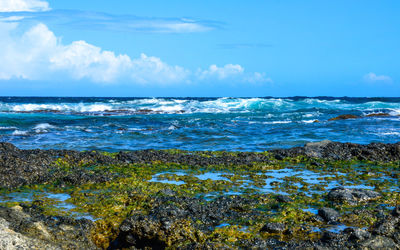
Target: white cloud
[
  {"x": 23, "y": 5},
  {"x": 372, "y": 78},
  {"x": 37, "y": 54},
  {"x": 84, "y": 60},
  {"x": 152, "y": 69}
]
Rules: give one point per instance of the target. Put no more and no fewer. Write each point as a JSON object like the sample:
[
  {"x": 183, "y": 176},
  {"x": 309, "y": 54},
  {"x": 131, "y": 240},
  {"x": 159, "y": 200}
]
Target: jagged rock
[
  {"x": 389, "y": 224},
  {"x": 273, "y": 228},
  {"x": 351, "y": 196},
  {"x": 9, "y": 239},
  {"x": 328, "y": 214},
  {"x": 284, "y": 198},
  {"x": 173, "y": 219},
  {"x": 378, "y": 242},
  {"x": 343, "y": 151},
  {"x": 31, "y": 229},
  {"x": 357, "y": 234}
]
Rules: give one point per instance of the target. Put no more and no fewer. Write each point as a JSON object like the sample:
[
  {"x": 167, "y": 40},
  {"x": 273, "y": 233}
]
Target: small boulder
[
  {"x": 328, "y": 214},
  {"x": 378, "y": 242},
  {"x": 357, "y": 234},
  {"x": 273, "y": 228},
  {"x": 351, "y": 196},
  {"x": 396, "y": 211},
  {"x": 284, "y": 198}
]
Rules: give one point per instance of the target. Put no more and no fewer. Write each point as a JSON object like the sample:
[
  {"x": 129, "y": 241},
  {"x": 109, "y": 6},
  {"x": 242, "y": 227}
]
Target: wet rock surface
[
  {"x": 24, "y": 167},
  {"x": 351, "y": 196},
  {"x": 328, "y": 214},
  {"x": 10, "y": 239},
  {"x": 176, "y": 220},
  {"x": 273, "y": 228},
  {"x": 344, "y": 151},
  {"x": 136, "y": 212},
  {"x": 25, "y": 227}
]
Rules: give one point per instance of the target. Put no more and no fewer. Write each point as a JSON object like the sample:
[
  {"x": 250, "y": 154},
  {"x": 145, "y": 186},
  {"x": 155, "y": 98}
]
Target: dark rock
[
  {"x": 284, "y": 198},
  {"x": 273, "y": 228},
  {"x": 173, "y": 220},
  {"x": 386, "y": 226},
  {"x": 344, "y": 117},
  {"x": 343, "y": 151},
  {"x": 328, "y": 214},
  {"x": 206, "y": 246},
  {"x": 351, "y": 196},
  {"x": 396, "y": 211},
  {"x": 269, "y": 243},
  {"x": 378, "y": 242},
  {"x": 328, "y": 236},
  {"x": 357, "y": 234}
]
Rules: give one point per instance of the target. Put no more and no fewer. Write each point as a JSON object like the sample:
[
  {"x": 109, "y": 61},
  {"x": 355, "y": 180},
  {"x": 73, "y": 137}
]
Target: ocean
[{"x": 232, "y": 124}]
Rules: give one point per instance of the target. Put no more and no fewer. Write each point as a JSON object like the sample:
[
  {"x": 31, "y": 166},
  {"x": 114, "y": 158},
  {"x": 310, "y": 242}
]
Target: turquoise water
[{"x": 245, "y": 124}]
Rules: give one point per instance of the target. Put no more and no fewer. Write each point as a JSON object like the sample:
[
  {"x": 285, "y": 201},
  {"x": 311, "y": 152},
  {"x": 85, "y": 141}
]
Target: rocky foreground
[{"x": 325, "y": 195}]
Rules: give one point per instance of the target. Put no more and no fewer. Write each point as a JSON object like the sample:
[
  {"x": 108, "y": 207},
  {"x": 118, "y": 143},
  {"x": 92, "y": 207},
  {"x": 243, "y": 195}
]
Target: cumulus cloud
[
  {"x": 38, "y": 54},
  {"x": 152, "y": 69},
  {"x": 23, "y": 5},
  {"x": 373, "y": 78},
  {"x": 84, "y": 60}
]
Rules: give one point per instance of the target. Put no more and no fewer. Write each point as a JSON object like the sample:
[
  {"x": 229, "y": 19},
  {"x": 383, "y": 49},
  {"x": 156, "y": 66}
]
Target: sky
[{"x": 199, "y": 48}]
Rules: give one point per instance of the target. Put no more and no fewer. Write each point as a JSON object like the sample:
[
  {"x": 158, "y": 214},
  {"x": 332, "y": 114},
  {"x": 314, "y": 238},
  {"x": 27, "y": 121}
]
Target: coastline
[{"x": 325, "y": 194}]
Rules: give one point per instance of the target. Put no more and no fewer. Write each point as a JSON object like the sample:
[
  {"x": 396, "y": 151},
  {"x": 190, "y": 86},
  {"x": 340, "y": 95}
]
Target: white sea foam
[
  {"x": 395, "y": 112},
  {"x": 390, "y": 133},
  {"x": 169, "y": 109},
  {"x": 8, "y": 128},
  {"x": 43, "y": 127},
  {"x": 220, "y": 105},
  {"x": 308, "y": 121},
  {"x": 94, "y": 108},
  {"x": 19, "y": 132},
  {"x": 172, "y": 127},
  {"x": 277, "y": 122}
]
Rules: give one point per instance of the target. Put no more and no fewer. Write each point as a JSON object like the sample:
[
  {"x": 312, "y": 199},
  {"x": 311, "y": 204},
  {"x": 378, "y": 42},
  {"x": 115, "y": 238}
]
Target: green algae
[{"x": 132, "y": 189}]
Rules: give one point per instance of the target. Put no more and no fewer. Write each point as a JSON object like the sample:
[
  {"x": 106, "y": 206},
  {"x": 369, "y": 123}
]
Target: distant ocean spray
[{"x": 245, "y": 124}]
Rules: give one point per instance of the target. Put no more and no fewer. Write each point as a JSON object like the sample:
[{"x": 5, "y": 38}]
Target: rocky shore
[{"x": 325, "y": 195}]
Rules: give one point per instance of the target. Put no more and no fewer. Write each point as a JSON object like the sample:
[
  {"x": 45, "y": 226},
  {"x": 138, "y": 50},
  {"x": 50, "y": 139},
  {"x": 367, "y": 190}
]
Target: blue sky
[{"x": 202, "y": 48}]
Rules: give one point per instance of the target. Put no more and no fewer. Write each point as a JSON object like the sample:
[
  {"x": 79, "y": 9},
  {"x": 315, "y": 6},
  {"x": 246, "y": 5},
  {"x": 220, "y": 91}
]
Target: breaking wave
[{"x": 200, "y": 105}]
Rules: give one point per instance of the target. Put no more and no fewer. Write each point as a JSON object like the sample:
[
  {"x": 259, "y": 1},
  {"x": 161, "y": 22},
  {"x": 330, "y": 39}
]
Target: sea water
[{"x": 233, "y": 124}]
